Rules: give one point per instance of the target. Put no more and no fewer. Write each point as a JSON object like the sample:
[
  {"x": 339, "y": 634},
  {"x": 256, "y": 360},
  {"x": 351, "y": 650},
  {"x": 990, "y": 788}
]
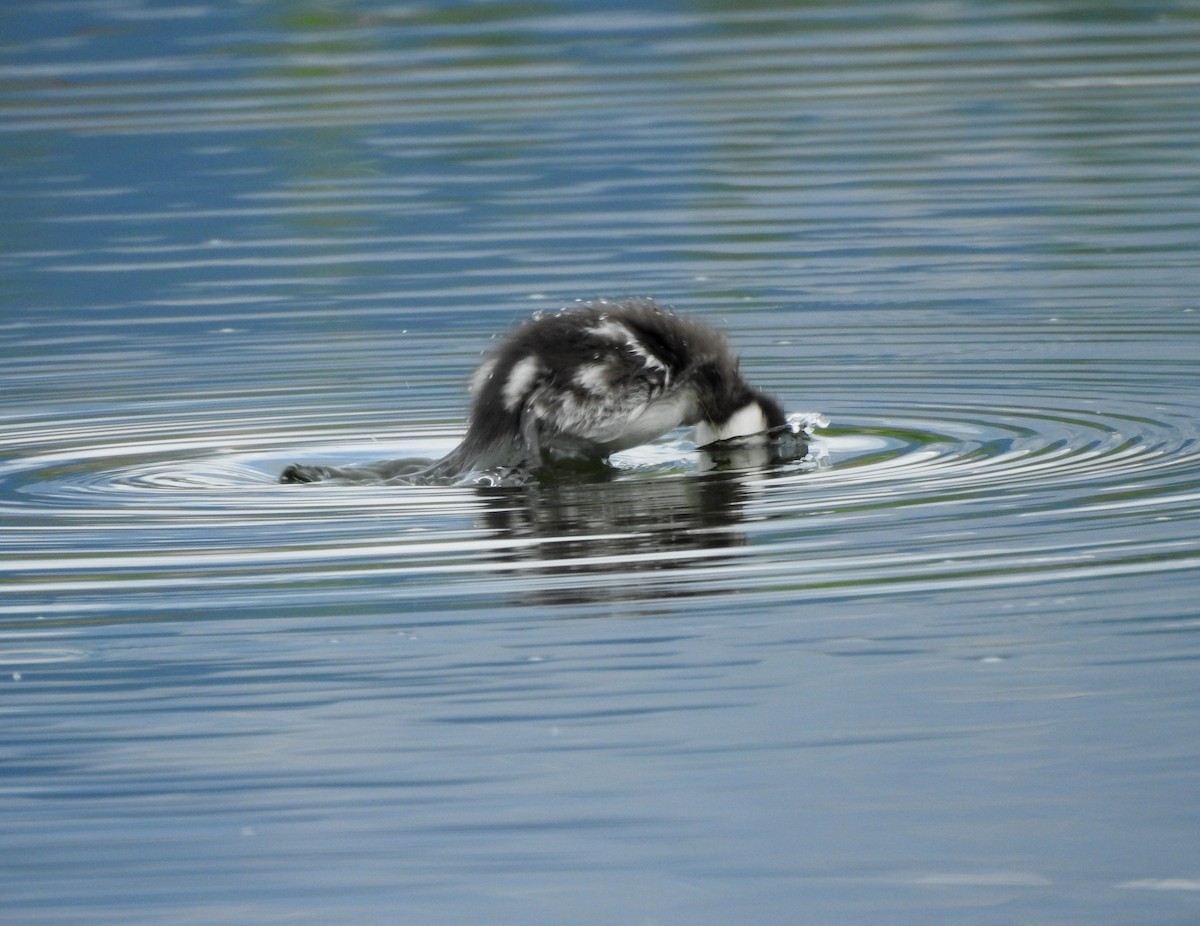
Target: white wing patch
[
  {"x": 521, "y": 377},
  {"x": 611, "y": 331},
  {"x": 594, "y": 378},
  {"x": 620, "y": 335},
  {"x": 481, "y": 377}
]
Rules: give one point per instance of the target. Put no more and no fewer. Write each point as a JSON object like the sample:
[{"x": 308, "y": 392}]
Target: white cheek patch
[
  {"x": 521, "y": 379},
  {"x": 747, "y": 420}
]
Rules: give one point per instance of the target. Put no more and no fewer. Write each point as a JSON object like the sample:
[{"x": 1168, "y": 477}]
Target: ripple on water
[
  {"x": 951, "y": 673},
  {"x": 922, "y": 500}
]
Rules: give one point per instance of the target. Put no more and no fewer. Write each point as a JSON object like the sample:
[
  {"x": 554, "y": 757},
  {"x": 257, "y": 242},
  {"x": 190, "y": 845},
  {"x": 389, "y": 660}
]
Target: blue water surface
[{"x": 944, "y": 671}]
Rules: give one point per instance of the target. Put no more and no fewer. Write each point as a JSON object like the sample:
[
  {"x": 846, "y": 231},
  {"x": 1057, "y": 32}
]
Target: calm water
[{"x": 946, "y": 673}]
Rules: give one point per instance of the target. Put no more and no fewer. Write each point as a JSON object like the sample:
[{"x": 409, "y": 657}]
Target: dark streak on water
[{"x": 949, "y": 675}]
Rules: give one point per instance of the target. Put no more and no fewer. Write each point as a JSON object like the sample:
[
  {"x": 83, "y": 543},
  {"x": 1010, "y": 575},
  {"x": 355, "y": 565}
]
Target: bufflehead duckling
[{"x": 592, "y": 380}]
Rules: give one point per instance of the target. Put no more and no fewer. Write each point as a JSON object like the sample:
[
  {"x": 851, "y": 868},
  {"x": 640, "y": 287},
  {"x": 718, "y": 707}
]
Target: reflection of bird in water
[
  {"x": 589, "y": 381},
  {"x": 586, "y": 542}
]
